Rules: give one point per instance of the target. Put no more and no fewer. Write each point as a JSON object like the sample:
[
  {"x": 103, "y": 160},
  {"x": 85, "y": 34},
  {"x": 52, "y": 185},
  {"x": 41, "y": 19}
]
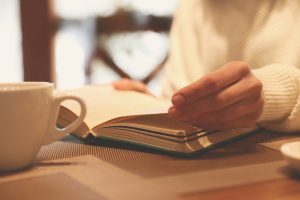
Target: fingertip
[
  {"x": 115, "y": 84},
  {"x": 140, "y": 87},
  {"x": 121, "y": 84},
  {"x": 178, "y": 100},
  {"x": 171, "y": 109},
  {"x": 174, "y": 112}
]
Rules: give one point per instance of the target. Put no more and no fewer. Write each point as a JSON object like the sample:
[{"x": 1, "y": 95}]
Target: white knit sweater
[{"x": 206, "y": 34}]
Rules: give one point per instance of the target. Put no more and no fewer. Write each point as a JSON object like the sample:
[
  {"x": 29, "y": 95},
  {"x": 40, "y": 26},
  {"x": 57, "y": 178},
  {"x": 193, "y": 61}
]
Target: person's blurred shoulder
[{"x": 188, "y": 6}]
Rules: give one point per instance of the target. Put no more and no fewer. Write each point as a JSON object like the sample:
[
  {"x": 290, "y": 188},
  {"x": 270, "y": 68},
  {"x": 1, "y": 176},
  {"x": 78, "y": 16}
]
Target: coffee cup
[{"x": 28, "y": 116}]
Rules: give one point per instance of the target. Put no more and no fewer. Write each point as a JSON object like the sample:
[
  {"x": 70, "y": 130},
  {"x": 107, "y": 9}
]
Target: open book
[{"x": 137, "y": 118}]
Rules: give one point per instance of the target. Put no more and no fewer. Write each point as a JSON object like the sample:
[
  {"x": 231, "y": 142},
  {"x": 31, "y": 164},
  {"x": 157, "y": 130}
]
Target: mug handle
[{"x": 54, "y": 133}]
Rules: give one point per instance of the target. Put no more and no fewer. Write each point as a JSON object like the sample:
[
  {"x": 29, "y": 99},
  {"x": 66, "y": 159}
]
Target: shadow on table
[{"x": 151, "y": 163}]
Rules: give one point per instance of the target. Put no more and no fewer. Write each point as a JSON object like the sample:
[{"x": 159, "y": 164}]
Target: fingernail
[
  {"x": 174, "y": 112},
  {"x": 178, "y": 100}
]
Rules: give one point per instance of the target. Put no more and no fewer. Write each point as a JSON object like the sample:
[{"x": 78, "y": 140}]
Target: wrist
[{"x": 280, "y": 91}]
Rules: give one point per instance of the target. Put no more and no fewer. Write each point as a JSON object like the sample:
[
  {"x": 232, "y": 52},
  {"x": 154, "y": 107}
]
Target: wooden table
[
  {"x": 269, "y": 190},
  {"x": 244, "y": 169}
]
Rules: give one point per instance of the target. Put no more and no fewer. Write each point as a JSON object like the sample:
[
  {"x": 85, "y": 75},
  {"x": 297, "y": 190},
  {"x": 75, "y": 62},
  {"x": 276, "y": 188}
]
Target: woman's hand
[
  {"x": 230, "y": 97},
  {"x": 127, "y": 84}
]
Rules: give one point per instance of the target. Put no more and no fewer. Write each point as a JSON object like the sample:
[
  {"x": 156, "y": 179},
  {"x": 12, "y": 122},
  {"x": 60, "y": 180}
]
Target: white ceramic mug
[{"x": 28, "y": 115}]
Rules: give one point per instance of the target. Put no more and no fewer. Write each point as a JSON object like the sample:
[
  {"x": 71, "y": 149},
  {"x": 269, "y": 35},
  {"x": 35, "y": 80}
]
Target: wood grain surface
[{"x": 285, "y": 189}]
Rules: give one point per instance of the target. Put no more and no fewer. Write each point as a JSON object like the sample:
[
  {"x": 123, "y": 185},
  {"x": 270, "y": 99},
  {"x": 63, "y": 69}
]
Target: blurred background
[{"x": 77, "y": 42}]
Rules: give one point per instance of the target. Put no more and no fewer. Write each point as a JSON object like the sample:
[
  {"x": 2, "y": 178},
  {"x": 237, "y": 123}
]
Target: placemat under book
[{"x": 151, "y": 164}]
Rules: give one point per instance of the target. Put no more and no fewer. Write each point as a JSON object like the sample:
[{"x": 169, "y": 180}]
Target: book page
[
  {"x": 158, "y": 122},
  {"x": 105, "y": 103}
]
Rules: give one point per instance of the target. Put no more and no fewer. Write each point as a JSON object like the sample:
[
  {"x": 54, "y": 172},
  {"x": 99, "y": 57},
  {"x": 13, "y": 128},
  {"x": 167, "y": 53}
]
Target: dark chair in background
[
  {"x": 124, "y": 21},
  {"x": 39, "y": 24}
]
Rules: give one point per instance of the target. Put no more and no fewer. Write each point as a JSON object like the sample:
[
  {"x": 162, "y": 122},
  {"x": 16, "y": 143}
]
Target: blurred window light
[
  {"x": 137, "y": 53},
  {"x": 78, "y": 9},
  {"x": 10, "y": 39},
  {"x": 153, "y": 7},
  {"x": 99, "y": 68},
  {"x": 69, "y": 60}
]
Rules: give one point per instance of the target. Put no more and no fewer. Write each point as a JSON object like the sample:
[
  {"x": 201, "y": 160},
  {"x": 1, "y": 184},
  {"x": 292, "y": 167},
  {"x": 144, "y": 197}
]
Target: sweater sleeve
[
  {"x": 281, "y": 93},
  {"x": 183, "y": 63}
]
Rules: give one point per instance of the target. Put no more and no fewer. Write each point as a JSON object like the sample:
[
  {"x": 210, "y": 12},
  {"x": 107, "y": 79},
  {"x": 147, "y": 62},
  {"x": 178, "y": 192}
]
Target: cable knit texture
[{"x": 206, "y": 34}]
